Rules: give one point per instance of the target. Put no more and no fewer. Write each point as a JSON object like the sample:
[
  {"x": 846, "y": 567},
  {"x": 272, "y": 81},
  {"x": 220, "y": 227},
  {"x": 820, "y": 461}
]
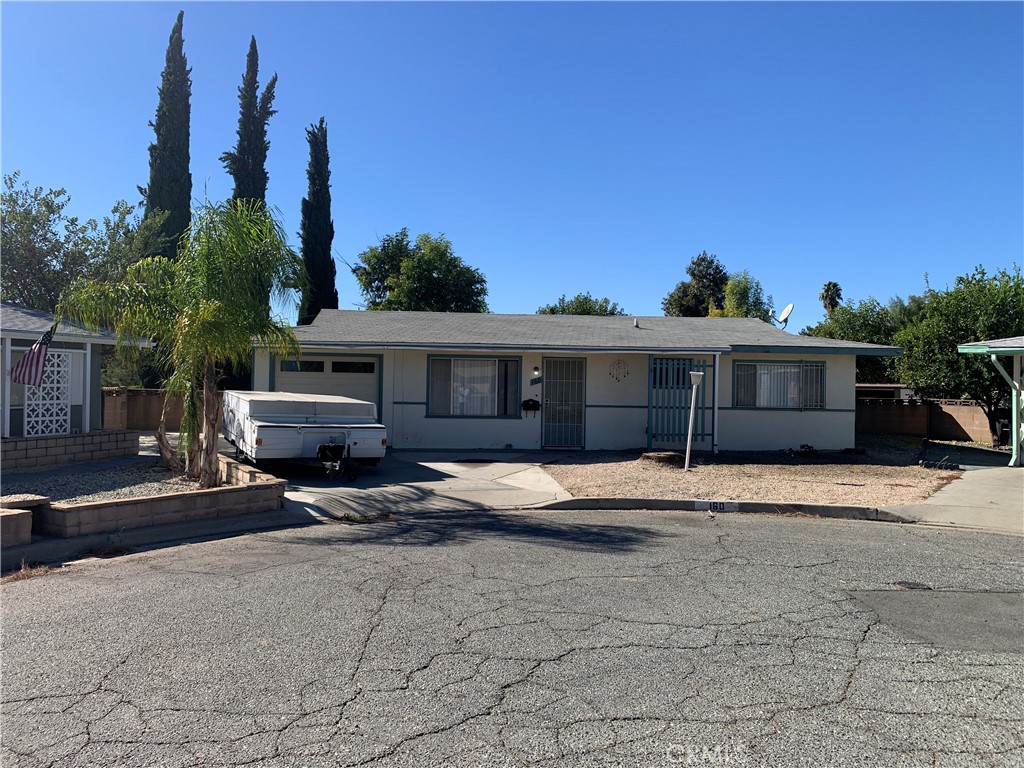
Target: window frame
[
  {"x": 298, "y": 365},
  {"x": 371, "y": 363},
  {"x": 517, "y": 377},
  {"x": 805, "y": 367}
]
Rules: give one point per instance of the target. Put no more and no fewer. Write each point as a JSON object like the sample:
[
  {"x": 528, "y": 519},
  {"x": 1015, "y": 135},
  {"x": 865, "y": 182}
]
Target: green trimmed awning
[
  {"x": 1010, "y": 347},
  {"x": 1014, "y": 345}
]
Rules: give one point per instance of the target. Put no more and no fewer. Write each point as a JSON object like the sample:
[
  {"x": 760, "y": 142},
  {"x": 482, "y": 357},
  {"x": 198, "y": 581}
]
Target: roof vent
[{"x": 636, "y": 322}]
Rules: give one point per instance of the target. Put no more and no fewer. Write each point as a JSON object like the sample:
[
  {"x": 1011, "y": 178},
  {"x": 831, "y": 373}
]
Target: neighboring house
[
  {"x": 68, "y": 401},
  {"x": 466, "y": 381}
]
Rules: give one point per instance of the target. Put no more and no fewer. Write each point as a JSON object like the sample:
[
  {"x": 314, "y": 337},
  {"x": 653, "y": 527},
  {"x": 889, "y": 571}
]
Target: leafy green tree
[
  {"x": 867, "y": 321},
  {"x": 744, "y": 297},
  {"x": 423, "y": 276},
  {"x": 247, "y": 162},
  {"x": 978, "y": 307},
  {"x": 905, "y": 312},
  {"x": 44, "y": 249},
  {"x": 125, "y": 239},
  {"x": 704, "y": 291},
  {"x": 206, "y": 307},
  {"x": 170, "y": 181},
  {"x": 831, "y": 296},
  {"x": 317, "y": 230},
  {"x": 581, "y": 304}
]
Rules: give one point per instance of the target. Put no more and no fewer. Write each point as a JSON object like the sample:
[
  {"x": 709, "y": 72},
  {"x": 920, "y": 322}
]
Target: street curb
[
  {"x": 699, "y": 505},
  {"x": 50, "y": 551}
]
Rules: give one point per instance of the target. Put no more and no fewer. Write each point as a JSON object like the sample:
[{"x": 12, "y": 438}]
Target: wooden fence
[{"x": 125, "y": 408}]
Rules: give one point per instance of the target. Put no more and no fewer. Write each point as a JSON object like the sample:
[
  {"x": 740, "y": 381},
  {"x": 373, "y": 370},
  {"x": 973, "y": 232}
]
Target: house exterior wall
[
  {"x": 828, "y": 428},
  {"x": 616, "y": 390},
  {"x": 80, "y": 381}
]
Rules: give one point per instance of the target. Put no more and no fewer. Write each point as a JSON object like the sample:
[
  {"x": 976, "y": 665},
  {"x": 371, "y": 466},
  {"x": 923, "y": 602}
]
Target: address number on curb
[{"x": 719, "y": 506}]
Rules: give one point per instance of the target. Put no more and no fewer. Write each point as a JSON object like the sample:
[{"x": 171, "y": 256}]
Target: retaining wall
[
  {"x": 44, "y": 452},
  {"x": 255, "y": 492}
]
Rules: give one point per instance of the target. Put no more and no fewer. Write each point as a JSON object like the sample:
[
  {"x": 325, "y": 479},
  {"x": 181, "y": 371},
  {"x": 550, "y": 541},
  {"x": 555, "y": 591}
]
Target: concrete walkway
[{"x": 990, "y": 499}]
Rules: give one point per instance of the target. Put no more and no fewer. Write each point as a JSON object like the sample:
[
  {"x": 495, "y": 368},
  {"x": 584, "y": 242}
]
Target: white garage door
[{"x": 352, "y": 377}]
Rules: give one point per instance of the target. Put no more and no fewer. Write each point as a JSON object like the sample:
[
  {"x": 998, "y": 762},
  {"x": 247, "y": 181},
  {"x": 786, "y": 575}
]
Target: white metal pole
[{"x": 695, "y": 378}]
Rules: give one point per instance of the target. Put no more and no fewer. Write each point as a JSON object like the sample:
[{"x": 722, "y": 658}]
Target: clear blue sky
[{"x": 572, "y": 147}]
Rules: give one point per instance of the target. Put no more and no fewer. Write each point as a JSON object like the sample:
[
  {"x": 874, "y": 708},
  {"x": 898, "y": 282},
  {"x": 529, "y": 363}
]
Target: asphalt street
[{"x": 478, "y": 638}]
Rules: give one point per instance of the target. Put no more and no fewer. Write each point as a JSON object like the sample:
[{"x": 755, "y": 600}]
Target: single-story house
[
  {"x": 487, "y": 381},
  {"x": 69, "y": 399}
]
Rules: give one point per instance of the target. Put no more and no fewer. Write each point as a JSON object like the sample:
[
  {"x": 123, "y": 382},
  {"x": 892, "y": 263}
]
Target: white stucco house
[
  {"x": 486, "y": 381},
  {"x": 69, "y": 399}
]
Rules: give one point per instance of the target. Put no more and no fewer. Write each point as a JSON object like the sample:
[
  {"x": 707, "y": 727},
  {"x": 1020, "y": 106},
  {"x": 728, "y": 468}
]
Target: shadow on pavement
[
  {"x": 429, "y": 520},
  {"x": 964, "y": 455},
  {"x": 301, "y": 477}
]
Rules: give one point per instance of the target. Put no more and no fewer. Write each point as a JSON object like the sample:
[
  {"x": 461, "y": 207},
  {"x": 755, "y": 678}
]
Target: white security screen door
[{"x": 48, "y": 406}]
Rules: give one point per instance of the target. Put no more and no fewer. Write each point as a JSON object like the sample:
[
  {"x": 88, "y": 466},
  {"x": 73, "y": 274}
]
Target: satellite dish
[{"x": 783, "y": 316}]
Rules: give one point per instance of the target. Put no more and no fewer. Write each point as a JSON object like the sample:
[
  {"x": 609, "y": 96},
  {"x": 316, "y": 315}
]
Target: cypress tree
[
  {"x": 247, "y": 162},
  {"x": 170, "y": 182},
  {"x": 317, "y": 230}
]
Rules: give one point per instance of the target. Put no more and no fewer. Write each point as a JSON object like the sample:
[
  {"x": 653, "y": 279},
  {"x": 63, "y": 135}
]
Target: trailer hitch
[{"x": 336, "y": 459}]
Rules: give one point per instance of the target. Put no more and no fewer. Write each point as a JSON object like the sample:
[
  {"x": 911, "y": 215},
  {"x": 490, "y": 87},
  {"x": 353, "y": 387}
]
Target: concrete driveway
[
  {"x": 482, "y": 638},
  {"x": 411, "y": 482}
]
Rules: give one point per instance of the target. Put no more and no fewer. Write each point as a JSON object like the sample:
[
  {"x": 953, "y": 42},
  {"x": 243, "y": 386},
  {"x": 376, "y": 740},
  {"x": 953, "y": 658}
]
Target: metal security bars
[
  {"x": 668, "y": 401},
  {"x": 562, "y": 413},
  {"x": 796, "y": 385}
]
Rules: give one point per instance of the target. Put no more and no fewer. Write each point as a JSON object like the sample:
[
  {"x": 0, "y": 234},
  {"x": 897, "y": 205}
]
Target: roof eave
[{"x": 518, "y": 347}]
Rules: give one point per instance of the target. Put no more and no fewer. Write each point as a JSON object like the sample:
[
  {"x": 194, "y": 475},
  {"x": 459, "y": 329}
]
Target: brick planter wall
[
  {"x": 44, "y": 452},
  {"x": 257, "y": 492}
]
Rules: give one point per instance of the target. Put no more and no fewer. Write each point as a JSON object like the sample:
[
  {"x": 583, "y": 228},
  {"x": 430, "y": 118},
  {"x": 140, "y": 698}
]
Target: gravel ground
[
  {"x": 886, "y": 474},
  {"x": 124, "y": 481}
]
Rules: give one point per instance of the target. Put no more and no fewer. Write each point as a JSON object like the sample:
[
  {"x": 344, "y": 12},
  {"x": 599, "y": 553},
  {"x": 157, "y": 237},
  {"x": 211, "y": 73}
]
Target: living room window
[
  {"x": 473, "y": 387},
  {"x": 797, "y": 385}
]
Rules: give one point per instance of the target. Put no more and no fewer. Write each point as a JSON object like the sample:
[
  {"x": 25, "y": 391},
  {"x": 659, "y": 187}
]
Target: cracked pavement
[{"x": 477, "y": 638}]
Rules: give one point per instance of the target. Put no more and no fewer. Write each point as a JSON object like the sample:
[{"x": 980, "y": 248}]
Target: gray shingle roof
[
  {"x": 31, "y": 324},
  {"x": 1007, "y": 346},
  {"x": 442, "y": 330}
]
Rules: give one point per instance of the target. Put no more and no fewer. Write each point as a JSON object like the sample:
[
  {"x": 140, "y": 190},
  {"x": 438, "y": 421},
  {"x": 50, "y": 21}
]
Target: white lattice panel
[{"x": 48, "y": 406}]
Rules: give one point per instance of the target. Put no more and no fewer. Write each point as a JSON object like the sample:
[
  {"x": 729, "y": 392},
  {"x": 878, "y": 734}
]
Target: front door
[{"x": 563, "y": 402}]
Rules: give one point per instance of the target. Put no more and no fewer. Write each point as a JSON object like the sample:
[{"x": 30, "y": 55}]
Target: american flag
[{"x": 29, "y": 370}]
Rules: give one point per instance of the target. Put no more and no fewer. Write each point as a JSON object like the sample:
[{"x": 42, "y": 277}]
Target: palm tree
[
  {"x": 206, "y": 308},
  {"x": 831, "y": 296}
]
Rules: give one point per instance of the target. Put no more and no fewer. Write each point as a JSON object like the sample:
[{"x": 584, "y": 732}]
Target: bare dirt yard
[{"x": 884, "y": 472}]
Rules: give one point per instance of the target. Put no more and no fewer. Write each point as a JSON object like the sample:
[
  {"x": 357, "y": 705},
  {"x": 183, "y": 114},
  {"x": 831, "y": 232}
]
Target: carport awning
[{"x": 1013, "y": 347}]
